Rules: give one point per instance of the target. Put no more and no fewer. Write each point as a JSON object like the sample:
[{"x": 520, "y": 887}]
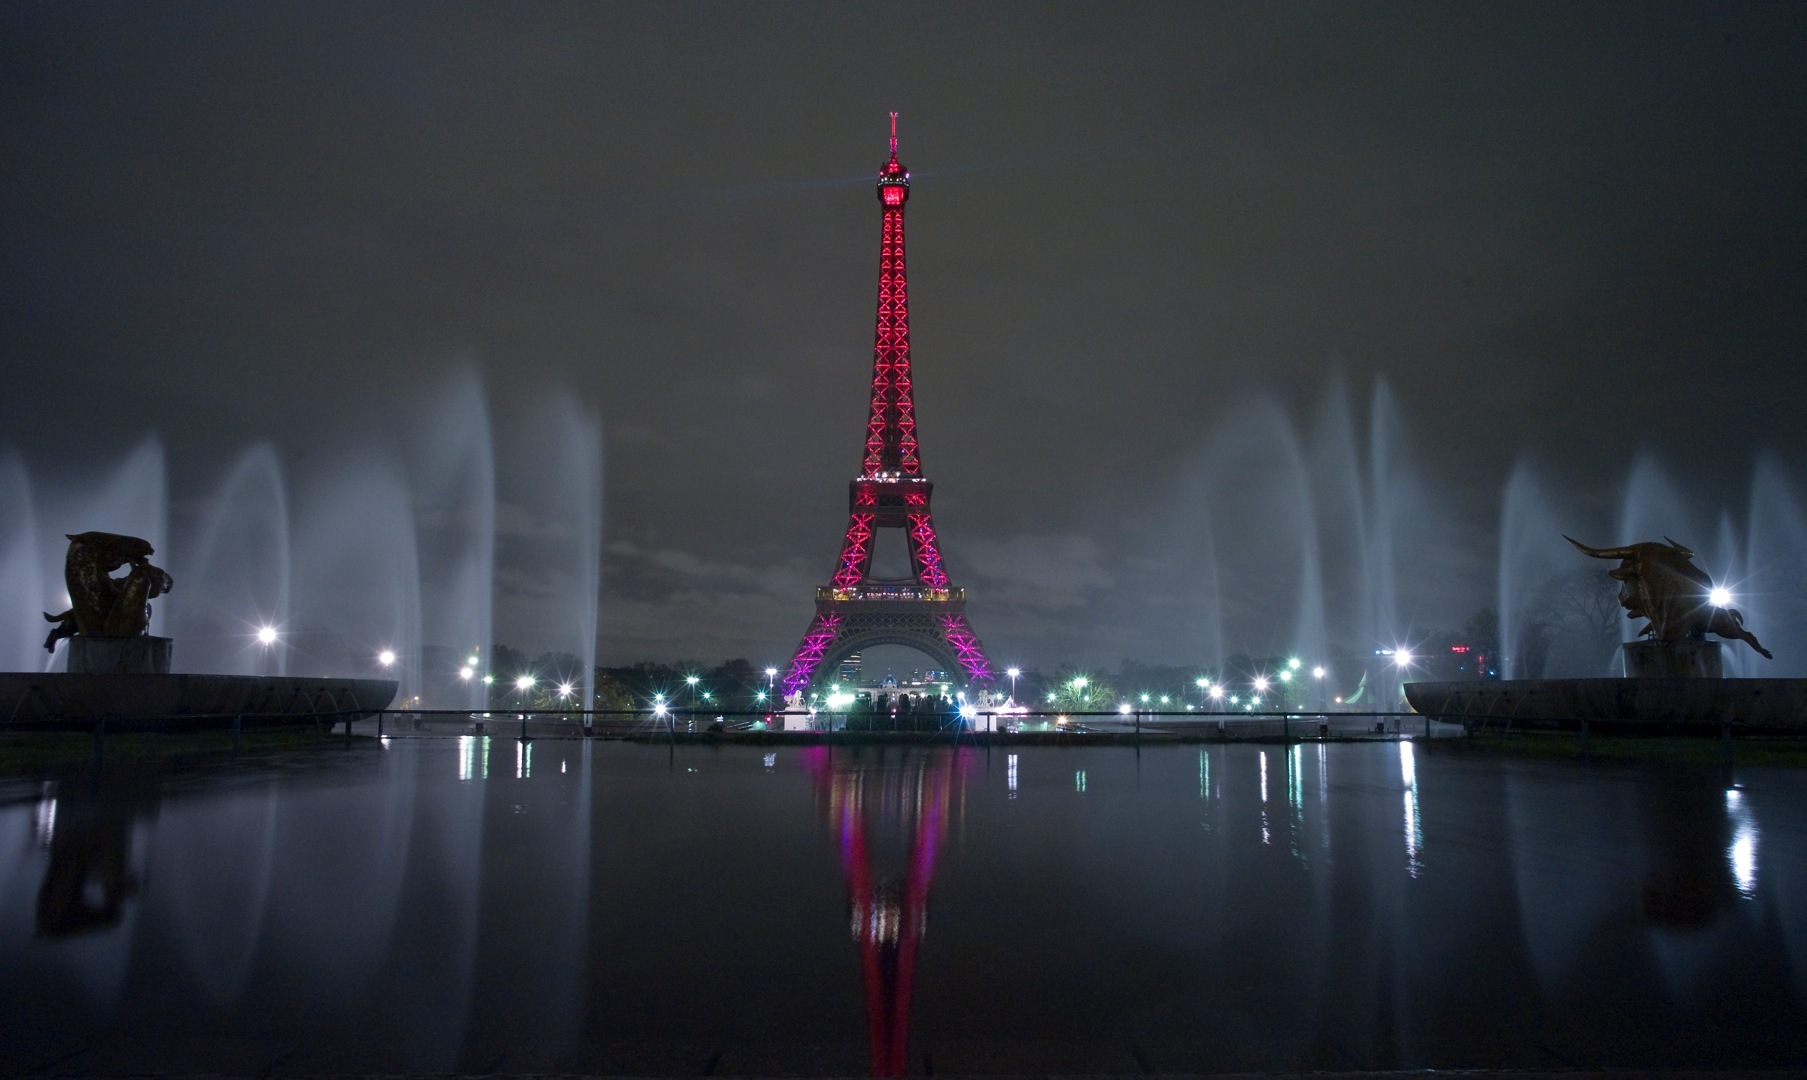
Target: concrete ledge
[
  {"x": 1768, "y": 704},
  {"x": 39, "y": 699}
]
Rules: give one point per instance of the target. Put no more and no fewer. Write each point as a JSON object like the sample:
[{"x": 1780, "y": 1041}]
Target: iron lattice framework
[{"x": 856, "y": 612}]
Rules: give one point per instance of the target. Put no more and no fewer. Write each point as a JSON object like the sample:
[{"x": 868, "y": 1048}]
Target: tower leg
[
  {"x": 967, "y": 650},
  {"x": 823, "y": 629}
]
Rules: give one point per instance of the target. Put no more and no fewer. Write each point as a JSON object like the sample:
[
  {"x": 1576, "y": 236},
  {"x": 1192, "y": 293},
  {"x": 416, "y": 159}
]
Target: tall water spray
[
  {"x": 1302, "y": 533},
  {"x": 454, "y": 484},
  {"x": 22, "y": 575},
  {"x": 1773, "y": 593},
  {"x": 1531, "y": 554},
  {"x": 1253, "y": 480},
  {"x": 550, "y": 534},
  {"x": 357, "y": 569},
  {"x": 234, "y": 574}
]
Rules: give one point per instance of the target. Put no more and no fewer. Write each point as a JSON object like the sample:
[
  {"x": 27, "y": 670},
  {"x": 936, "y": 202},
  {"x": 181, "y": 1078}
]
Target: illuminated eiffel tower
[{"x": 855, "y": 611}]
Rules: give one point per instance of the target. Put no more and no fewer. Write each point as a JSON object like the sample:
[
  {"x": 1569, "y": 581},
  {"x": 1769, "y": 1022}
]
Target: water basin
[{"x": 480, "y": 905}]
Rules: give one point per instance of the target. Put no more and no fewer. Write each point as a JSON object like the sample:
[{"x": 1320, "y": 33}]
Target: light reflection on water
[
  {"x": 1414, "y": 828},
  {"x": 650, "y": 910},
  {"x": 1743, "y": 853}
]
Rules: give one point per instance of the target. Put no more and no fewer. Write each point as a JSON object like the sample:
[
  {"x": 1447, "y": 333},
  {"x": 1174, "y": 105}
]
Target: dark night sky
[{"x": 1141, "y": 238}]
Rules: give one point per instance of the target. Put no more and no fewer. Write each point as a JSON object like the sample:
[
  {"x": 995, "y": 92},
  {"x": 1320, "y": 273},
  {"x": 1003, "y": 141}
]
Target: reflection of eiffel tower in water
[
  {"x": 869, "y": 803},
  {"x": 855, "y": 611}
]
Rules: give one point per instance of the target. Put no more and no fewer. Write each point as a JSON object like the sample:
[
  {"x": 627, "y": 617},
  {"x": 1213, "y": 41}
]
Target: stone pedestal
[
  {"x": 119, "y": 656},
  {"x": 1689, "y": 658}
]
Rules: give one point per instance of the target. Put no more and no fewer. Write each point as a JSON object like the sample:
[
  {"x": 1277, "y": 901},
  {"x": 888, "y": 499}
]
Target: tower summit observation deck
[{"x": 856, "y": 611}]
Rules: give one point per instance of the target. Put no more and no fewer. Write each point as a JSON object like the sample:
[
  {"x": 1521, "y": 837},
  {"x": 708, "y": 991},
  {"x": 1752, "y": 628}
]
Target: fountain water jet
[
  {"x": 454, "y": 482},
  {"x": 238, "y": 578},
  {"x": 555, "y": 492},
  {"x": 357, "y": 568},
  {"x": 21, "y": 572}
]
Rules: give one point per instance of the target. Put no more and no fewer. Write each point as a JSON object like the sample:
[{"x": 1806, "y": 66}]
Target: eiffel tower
[{"x": 855, "y": 611}]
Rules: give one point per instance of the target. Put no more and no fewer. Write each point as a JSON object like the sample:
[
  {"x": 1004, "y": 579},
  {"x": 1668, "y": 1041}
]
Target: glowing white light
[
  {"x": 1287, "y": 675},
  {"x": 525, "y": 682},
  {"x": 386, "y": 658},
  {"x": 1744, "y": 858},
  {"x": 1217, "y": 693},
  {"x": 266, "y": 635},
  {"x": 465, "y": 673},
  {"x": 1014, "y": 672},
  {"x": 690, "y": 680},
  {"x": 1317, "y": 672},
  {"x": 1402, "y": 657},
  {"x": 488, "y": 679},
  {"x": 564, "y": 689},
  {"x": 1742, "y": 854},
  {"x": 1720, "y": 596},
  {"x": 1261, "y": 684},
  {"x": 1293, "y": 664},
  {"x": 1124, "y": 709},
  {"x": 1204, "y": 684},
  {"x": 771, "y": 673}
]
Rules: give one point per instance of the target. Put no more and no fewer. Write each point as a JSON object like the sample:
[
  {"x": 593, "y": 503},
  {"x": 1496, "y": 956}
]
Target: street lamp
[
  {"x": 386, "y": 658},
  {"x": 771, "y": 684},
  {"x": 1402, "y": 658},
  {"x": 1013, "y": 673}
]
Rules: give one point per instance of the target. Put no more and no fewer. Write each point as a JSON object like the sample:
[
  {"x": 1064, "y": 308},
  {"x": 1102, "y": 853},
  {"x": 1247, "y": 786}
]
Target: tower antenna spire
[{"x": 893, "y": 134}]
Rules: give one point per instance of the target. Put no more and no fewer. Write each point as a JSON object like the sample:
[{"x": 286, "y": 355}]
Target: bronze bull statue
[
  {"x": 101, "y": 605},
  {"x": 1660, "y": 582}
]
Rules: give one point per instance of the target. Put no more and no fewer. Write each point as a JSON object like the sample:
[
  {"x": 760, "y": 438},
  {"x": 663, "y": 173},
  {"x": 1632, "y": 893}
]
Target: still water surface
[{"x": 476, "y": 905}]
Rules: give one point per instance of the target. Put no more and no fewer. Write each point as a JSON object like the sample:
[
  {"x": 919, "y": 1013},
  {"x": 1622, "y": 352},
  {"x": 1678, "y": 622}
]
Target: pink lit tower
[{"x": 923, "y": 611}]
